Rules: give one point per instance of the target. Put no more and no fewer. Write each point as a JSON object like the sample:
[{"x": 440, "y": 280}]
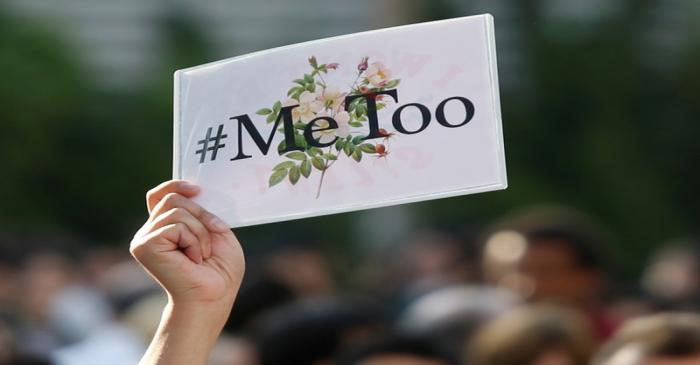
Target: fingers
[
  {"x": 174, "y": 200},
  {"x": 202, "y": 243},
  {"x": 167, "y": 238},
  {"x": 169, "y": 204},
  {"x": 181, "y": 187}
]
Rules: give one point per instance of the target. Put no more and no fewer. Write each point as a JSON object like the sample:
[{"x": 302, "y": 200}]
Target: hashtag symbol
[{"x": 213, "y": 148}]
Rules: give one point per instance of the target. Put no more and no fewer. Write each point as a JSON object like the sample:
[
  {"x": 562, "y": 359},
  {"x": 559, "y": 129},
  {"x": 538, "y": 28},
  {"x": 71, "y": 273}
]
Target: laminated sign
[{"x": 352, "y": 122}]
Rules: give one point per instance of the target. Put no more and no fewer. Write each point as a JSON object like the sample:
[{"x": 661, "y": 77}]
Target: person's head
[
  {"x": 546, "y": 253},
  {"x": 661, "y": 339},
  {"x": 533, "y": 335},
  {"x": 397, "y": 350},
  {"x": 309, "y": 332}
]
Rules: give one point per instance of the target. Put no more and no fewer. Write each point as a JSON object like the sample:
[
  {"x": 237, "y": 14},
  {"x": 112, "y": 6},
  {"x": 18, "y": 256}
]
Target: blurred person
[
  {"x": 394, "y": 349},
  {"x": 663, "y": 339},
  {"x": 550, "y": 253},
  {"x": 310, "y": 332},
  {"x": 426, "y": 260},
  {"x": 453, "y": 313},
  {"x": 672, "y": 276},
  {"x": 233, "y": 350},
  {"x": 304, "y": 270},
  {"x": 105, "y": 315},
  {"x": 43, "y": 276},
  {"x": 8, "y": 287},
  {"x": 533, "y": 335},
  {"x": 10, "y": 353},
  {"x": 431, "y": 259},
  {"x": 257, "y": 297}
]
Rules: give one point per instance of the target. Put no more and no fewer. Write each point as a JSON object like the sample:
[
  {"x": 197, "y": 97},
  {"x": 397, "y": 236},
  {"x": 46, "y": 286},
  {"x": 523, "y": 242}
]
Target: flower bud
[{"x": 363, "y": 64}]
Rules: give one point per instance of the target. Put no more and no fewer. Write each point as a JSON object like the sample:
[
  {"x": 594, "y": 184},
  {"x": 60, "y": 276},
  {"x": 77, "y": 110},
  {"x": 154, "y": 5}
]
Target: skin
[
  {"x": 552, "y": 267},
  {"x": 198, "y": 261},
  {"x": 400, "y": 359},
  {"x": 664, "y": 360}
]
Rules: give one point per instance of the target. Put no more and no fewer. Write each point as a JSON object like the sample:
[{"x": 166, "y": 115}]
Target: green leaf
[
  {"x": 339, "y": 144},
  {"x": 294, "y": 175},
  {"x": 311, "y": 87},
  {"x": 392, "y": 84},
  {"x": 299, "y": 140},
  {"x": 357, "y": 155},
  {"x": 330, "y": 156},
  {"x": 281, "y": 147},
  {"x": 277, "y": 107},
  {"x": 263, "y": 111},
  {"x": 300, "y": 82},
  {"x": 367, "y": 148},
  {"x": 283, "y": 165},
  {"x": 296, "y": 155},
  {"x": 362, "y": 109},
  {"x": 271, "y": 117},
  {"x": 299, "y": 125},
  {"x": 355, "y": 124},
  {"x": 305, "y": 168},
  {"x": 357, "y": 140},
  {"x": 318, "y": 163},
  {"x": 308, "y": 78},
  {"x": 276, "y": 177},
  {"x": 294, "y": 90},
  {"x": 380, "y": 106},
  {"x": 315, "y": 151},
  {"x": 348, "y": 149}
]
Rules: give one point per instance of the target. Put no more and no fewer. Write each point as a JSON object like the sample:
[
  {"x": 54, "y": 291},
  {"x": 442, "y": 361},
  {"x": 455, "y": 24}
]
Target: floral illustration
[{"x": 315, "y": 98}]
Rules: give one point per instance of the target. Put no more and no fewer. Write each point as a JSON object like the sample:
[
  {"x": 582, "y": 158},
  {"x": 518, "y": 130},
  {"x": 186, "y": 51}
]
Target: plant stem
[
  {"x": 323, "y": 173},
  {"x": 318, "y": 192}
]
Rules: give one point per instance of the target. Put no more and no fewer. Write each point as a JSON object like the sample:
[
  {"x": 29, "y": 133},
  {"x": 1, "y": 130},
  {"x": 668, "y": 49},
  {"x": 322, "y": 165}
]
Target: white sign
[{"x": 358, "y": 121}]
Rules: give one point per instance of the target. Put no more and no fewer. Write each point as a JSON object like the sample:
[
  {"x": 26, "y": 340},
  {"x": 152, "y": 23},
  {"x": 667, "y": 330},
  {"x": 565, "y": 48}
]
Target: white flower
[
  {"x": 331, "y": 97},
  {"x": 378, "y": 74},
  {"x": 328, "y": 135},
  {"x": 307, "y": 109},
  {"x": 343, "y": 120}
]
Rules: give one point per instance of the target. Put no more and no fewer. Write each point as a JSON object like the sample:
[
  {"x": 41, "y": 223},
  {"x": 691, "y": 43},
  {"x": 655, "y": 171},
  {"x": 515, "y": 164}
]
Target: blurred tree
[{"x": 594, "y": 126}]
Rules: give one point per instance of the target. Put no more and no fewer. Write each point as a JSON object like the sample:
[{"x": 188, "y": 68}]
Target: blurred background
[{"x": 600, "y": 100}]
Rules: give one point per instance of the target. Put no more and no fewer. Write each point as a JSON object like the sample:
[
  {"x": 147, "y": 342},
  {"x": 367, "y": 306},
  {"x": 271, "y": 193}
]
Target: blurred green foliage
[{"x": 595, "y": 128}]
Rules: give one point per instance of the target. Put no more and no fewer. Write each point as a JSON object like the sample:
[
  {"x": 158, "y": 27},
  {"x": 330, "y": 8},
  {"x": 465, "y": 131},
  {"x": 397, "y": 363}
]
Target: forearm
[{"x": 186, "y": 334}]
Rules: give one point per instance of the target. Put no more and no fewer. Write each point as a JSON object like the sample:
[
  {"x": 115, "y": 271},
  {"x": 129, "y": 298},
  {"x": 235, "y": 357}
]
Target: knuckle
[
  {"x": 136, "y": 249},
  {"x": 177, "y": 212},
  {"x": 170, "y": 200}
]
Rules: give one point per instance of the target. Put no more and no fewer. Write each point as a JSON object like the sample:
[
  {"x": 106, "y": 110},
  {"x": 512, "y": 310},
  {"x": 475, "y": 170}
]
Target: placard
[{"x": 352, "y": 122}]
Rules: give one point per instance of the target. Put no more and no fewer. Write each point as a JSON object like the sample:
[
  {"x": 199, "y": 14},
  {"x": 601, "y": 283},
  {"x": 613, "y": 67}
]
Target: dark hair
[
  {"x": 581, "y": 245},
  {"x": 559, "y": 225},
  {"x": 305, "y": 332},
  {"x": 666, "y": 334},
  {"x": 418, "y": 346},
  {"x": 254, "y": 299}
]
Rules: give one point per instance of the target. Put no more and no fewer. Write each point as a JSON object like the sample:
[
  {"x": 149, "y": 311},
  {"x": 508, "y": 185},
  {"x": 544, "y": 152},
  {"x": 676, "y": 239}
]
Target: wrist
[
  {"x": 188, "y": 331},
  {"x": 199, "y": 311}
]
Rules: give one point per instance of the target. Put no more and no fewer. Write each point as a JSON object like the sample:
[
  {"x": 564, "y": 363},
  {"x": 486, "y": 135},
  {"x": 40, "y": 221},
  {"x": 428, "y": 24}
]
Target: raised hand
[{"x": 198, "y": 261}]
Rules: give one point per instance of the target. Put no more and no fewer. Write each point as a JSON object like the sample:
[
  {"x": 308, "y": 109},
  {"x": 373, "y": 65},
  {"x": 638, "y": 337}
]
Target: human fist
[{"x": 192, "y": 253}]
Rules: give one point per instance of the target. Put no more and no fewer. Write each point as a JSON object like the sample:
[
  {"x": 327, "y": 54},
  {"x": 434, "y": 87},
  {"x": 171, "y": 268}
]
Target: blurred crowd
[{"x": 533, "y": 288}]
